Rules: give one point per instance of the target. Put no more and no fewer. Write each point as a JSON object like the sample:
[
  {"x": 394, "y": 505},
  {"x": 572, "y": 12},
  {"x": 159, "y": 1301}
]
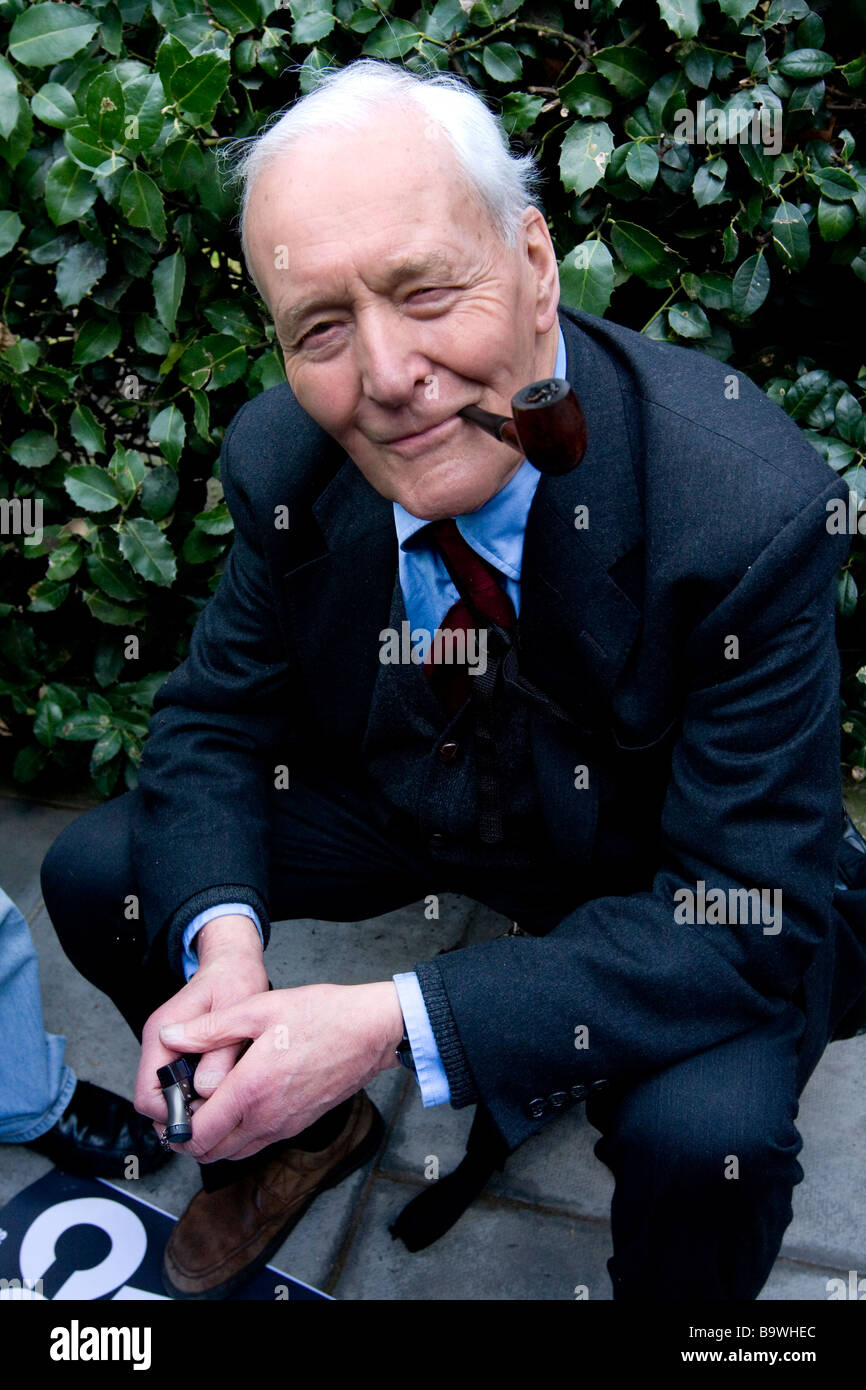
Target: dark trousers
[{"x": 704, "y": 1153}]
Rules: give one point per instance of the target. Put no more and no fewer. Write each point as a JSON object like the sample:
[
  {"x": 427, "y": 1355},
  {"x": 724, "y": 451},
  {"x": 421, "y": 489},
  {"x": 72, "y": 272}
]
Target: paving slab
[{"x": 495, "y": 1251}]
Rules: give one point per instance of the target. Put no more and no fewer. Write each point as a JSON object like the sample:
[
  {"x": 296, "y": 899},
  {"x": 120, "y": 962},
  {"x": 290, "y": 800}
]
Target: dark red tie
[{"x": 482, "y": 601}]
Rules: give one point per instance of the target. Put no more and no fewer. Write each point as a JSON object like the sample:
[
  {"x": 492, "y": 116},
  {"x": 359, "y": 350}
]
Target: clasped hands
[{"x": 272, "y": 1061}]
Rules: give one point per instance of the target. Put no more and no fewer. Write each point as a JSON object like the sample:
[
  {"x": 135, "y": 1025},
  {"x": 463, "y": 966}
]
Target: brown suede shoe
[{"x": 225, "y": 1237}]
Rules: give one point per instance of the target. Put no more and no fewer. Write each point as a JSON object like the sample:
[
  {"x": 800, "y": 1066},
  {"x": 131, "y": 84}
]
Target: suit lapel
[
  {"x": 577, "y": 624},
  {"x": 339, "y": 600}
]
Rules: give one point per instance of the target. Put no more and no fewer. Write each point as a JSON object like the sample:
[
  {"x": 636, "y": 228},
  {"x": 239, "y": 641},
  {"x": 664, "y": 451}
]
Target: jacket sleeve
[
  {"x": 753, "y": 801},
  {"x": 201, "y": 830}
]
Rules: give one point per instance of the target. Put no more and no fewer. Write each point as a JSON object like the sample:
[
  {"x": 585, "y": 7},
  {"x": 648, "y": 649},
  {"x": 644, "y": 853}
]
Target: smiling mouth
[{"x": 422, "y": 436}]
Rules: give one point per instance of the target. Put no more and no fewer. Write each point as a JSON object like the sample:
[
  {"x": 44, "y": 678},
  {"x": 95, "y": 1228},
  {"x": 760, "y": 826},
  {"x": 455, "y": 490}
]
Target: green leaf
[
  {"x": 141, "y": 201},
  {"x": 846, "y": 597},
  {"x": 584, "y": 95},
  {"x": 519, "y": 111},
  {"x": 835, "y": 220},
  {"x": 168, "y": 282},
  {"x": 168, "y": 430},
  {"x": 848, "y": 416},
  {"x": 159, "y": 492},
  {"x": 737, "y": 9},
  {"x": 216, "y": 522},
  {"x": 150, "y": 336},
  {"x": 642, "y": 165},
  {"x": 715, "y": 290},
  {"x": 84, "y": 726},
  {"x": 585, "y": 152},
  {"x": 751, "y": 284},
  {"x": 148, "y": 550},
  {"x": 97, "y": 339},
  {"x": 35, "y": 449},
  {"x": 86, "y": 431},
  {"x": 642, "y": 252},
  {"x": 836, "y": 184},
  {"x": 197, "y": 86},
  {"x": 502, "y": 62},
  {"x": 45, "y": 596},
  {"x": 213, "y": 362},
  {"x": 790, "y": 236},
  {"x": 88, "y": 151},
  {"x": 46, "y": 725},
  {"x": 92, "y": 488},
  {"x": 239, "y": 16},
  {"x": 78, "y": 271},
  {"x": 586, "y": 277},
  {"x": 689, "y": 321},
  {"x": 313, "y": 20},
  {"x": 46, "y": 34},
  {"x": 393, "y": 39},
  {"x": 128, "y": 469},
  {"x": 834, "y": 451},
  {"x": 112, "y": 576},
  {"x": 709, "y": 182},
  {"x": 105, "y": 108},
  {"x": 10, "y": 100},
  {"x": 805, "y": 394},
  {"x": 105, "y": 749},
  {"x": 11, "y": 228},
  {"x": 629, "y": 70},
  {"x": 69, "y": 191},
  {"x": 683, "y": 17},
  {"x": 182, "y": 164},
  {"x": 226, "y": 316},
  {"x": 54, "y": 106},
  {"x": 805, "y": 63},
  {"x": 699, "y": 67},
  {"x": 730, "y": 245},
  {"x": 65, "y": 561},
  {"x": 28, "y": 763}
]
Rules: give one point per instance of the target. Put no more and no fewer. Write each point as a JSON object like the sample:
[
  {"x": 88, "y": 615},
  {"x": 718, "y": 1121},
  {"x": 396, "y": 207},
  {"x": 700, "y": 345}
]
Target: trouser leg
[
  {"x": 704, "y": 1157},
  {"x": 35, "y": 1082}
]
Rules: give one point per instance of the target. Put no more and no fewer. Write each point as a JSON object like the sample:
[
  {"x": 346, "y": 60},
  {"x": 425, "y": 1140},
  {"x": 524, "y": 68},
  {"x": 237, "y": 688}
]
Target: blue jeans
[{"x": 35, "y": 1083}]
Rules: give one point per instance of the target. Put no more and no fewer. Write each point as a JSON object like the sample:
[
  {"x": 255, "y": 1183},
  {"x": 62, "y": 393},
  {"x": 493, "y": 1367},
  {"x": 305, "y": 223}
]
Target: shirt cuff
[
  {"x": 190, "y": 959},
  {"x": 430, "y": 1072}
]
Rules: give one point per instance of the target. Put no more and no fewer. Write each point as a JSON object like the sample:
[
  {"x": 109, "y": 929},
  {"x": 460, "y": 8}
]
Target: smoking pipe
[{"x": 548, "y": 426}]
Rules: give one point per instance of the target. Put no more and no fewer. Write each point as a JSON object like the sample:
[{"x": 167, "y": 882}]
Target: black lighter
[{"x": 176, "y": 1080}]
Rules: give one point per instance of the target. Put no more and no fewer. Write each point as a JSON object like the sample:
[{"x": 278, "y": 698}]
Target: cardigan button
[
  {"x": 449, "y": 752},
  {"x": 537, "y": 1107}
]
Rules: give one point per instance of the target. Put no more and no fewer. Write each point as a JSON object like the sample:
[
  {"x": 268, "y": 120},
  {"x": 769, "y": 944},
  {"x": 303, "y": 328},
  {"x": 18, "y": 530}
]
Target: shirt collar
[{"x": 496, "y": 529}]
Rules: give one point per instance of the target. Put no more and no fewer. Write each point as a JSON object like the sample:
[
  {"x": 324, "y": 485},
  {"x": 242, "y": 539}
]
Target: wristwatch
[{"x": 403, "y": 1052}]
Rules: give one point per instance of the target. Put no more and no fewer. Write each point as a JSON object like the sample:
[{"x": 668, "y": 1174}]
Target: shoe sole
[{"x": 354, "y": 1160}]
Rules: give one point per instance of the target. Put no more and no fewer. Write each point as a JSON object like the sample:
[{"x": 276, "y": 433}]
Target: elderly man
[{"x": 647, "y": 780}]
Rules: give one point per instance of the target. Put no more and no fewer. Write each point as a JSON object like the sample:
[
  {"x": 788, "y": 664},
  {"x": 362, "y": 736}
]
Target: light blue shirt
[{"x": 496, "y": 531}]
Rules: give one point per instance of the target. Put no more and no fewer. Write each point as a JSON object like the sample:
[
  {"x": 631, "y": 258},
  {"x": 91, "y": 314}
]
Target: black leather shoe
[{"x": 97, "y": 1134}]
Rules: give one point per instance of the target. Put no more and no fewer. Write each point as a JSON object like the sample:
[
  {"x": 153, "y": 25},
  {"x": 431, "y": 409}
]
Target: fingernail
[
  {"x": 171, "y": 1033},
  {"x": 208, "y": 1081}
]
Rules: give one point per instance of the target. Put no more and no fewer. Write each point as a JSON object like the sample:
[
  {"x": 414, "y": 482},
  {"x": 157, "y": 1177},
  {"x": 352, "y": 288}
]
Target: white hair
[{"x": 349, "y": 98}]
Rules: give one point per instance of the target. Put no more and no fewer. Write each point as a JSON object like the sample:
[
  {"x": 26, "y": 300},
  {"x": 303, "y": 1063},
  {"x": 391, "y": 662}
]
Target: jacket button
[
  {"x": 601, "y": 1085},
  {"x": 537, "y": 1107},
  {"x": 579, "y": 1092},
  {"x": 558, "y": 1099},
  {"x": 437, "y": 838},
  {"x": 449, "y": 752}
]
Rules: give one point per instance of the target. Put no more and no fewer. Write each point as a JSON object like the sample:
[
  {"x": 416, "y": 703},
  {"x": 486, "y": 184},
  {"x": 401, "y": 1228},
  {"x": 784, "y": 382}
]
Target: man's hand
[
  {"x": 231, "y": 970},
  {"x": 312, "y": 1047}
]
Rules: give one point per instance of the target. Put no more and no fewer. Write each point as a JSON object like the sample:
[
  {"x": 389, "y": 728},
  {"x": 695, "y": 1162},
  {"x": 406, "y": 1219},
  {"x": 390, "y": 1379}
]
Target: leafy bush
[{"x": 129, "y": 336}]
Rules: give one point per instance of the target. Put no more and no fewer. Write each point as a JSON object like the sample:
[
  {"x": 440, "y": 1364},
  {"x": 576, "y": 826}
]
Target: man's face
[{"x": 400, "y": 305}]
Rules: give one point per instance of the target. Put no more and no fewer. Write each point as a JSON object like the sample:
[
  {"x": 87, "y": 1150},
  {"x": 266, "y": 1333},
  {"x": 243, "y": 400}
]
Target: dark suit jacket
[{"x": 707, "y": 520}]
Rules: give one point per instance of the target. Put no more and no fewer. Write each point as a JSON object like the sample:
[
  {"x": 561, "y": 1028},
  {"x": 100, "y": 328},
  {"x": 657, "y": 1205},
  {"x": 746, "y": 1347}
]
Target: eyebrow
[{"x": 405, "y": 268}]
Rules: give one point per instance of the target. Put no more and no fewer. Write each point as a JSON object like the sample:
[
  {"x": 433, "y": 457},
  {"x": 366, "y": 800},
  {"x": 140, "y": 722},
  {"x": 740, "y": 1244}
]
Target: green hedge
[{"x": 129, "y": 335}]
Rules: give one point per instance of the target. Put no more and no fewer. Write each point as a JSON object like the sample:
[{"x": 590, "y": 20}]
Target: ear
[{"x": 542, "y": 260}]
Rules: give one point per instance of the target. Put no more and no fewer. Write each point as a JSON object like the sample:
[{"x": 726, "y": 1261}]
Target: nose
[{"x": 389, "y": 363}]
